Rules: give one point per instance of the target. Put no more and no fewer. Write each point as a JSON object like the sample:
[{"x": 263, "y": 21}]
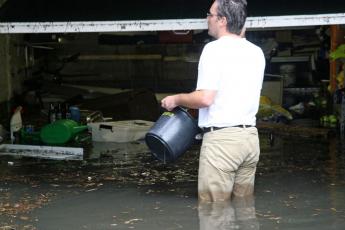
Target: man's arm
[{"x": 194, "y": 100}]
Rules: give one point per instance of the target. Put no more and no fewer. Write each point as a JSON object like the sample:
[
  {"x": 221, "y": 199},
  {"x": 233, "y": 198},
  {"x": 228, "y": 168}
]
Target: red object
[
  {"x": 193, "y": 112},
  {"x": 175, "y": 36},
  {"x": 15, "y": 108}
]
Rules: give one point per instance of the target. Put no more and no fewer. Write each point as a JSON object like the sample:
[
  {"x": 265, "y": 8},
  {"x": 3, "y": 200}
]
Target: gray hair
[{"x": 235, "y": 12}]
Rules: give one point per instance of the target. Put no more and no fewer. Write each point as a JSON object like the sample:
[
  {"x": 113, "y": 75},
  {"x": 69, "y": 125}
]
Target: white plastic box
[{"x": 119, "y": 131}]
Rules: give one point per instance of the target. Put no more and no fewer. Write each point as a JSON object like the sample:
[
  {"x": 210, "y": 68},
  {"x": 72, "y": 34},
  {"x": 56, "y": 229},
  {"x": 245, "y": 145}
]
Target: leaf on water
[
  {"x": 24, "y": 218},
  {"x": 89, "y": 185},
  {"x": 149, "y": 191},
  {"x": 109, "y": 178},
  {"x": 178, "y": 225},
  {"x": 131, "y": 221},
  {"x": 55, "y": 185}
]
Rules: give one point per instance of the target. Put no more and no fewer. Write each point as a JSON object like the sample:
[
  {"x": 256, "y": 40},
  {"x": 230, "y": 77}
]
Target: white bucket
[
  {"x": 288, "y": 72},
  {"x": 119, "y": 131}
]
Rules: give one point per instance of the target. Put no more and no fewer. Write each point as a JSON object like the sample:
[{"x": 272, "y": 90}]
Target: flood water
[{"x": 300, "y": 184}]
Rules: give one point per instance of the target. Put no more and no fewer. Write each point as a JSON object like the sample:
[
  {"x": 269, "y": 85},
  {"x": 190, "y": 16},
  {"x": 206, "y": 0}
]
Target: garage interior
[{"x": 114, "y": 62}]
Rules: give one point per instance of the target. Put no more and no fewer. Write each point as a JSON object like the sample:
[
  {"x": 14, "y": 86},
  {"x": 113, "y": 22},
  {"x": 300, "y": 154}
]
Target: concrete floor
[{"x": 300, "y": 185}]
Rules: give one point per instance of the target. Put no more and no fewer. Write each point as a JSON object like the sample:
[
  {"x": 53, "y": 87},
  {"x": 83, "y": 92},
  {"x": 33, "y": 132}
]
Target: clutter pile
[
  {"x": 272, "y": 112},
  {"x": 78, "y": 123}
]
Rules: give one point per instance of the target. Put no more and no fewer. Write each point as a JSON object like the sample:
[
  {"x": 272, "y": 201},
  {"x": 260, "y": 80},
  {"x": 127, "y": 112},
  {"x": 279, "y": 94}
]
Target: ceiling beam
[{"x": 252, "y": 23}]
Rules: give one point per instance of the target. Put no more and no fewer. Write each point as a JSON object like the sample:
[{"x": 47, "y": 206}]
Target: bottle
[
  {"x": 75, "y": 113},
  {"x": 51, "y": 113},
  {"x": 67, "y": 112},
  {"x": 16, "y": 124},
  {"x": 58, "y": 112}
]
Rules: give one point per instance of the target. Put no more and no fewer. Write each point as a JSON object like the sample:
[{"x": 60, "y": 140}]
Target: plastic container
[
  {"x": 60, "y": 132},
  {"x": 119, "y": 131},
  {"x": 16, "y": 124},
  {"x": 172, "y": 134},
  {"x": 75, "y": 113},
  {"x": 288, "y": 71}
]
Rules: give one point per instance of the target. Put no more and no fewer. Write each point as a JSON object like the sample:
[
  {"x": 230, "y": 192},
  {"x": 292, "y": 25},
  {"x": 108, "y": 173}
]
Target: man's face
[{"x": 212, "y": 20}]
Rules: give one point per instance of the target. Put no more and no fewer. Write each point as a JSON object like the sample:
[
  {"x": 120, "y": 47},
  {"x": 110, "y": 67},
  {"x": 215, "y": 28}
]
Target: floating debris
[{"x": 45, "y": 152}]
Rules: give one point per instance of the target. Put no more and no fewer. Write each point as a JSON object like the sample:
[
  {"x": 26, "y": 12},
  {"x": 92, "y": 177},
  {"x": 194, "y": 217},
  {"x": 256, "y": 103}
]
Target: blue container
[
  {"x": 75, "y": 113},
  {"x": 172, "y": 134}
]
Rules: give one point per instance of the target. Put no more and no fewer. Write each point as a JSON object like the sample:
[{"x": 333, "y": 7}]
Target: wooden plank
[
  {"x": 252, "y": 23},
  {"x": 294, "y": 130},
  {"x": 112, "y": 57}
]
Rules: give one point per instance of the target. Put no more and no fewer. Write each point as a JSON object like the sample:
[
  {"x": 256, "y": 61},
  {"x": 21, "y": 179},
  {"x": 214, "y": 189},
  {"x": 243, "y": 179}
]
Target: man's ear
[
  {"x": 224, "y": 21},
  {"x": 243, "y": 32}
]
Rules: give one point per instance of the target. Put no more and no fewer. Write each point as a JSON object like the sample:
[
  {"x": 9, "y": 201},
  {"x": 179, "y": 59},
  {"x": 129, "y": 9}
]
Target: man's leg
[
  {"x": 220, "y": 156},
  {"x": 213, "y": 183},
  {"x": 245, "y": 175}
]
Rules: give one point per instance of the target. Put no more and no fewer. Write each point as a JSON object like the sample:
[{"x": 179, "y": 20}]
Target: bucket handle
[
  {"x": 102, "y": 126},
  {"x": 182, "y": 108}
]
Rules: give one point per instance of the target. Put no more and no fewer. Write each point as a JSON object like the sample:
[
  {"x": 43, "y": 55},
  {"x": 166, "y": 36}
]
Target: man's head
[{"x": 227, "y": 14}]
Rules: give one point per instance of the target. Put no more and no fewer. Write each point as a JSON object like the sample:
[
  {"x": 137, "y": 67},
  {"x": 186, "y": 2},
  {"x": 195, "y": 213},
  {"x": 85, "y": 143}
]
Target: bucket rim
[
  {"x": 179, "y": 108},
  {"x": 164, "y": 144}
]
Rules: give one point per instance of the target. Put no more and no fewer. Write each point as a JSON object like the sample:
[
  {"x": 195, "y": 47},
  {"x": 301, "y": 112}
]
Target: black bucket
[{"x": 172, "y": 134}]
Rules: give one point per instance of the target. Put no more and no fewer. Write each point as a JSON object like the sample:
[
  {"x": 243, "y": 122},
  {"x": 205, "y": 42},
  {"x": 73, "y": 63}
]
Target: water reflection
[{"x": 237, "y": 214}]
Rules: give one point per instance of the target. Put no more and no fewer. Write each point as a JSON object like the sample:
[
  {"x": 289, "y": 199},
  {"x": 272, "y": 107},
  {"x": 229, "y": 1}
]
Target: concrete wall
[
  {"x": 12, "y": 74},
  {"x": 4, "y": 87},
  {"x": 5, "y": 83},
  {"x": 13, "y": 69},
  {"x": 12, "y": 66}
]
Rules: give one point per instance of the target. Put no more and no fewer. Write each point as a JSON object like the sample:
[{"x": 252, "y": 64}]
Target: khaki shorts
[{"x": 227, "y": 165}]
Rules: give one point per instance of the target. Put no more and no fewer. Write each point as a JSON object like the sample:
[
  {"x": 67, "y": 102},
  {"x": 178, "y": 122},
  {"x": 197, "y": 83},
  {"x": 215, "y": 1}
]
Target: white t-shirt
[{"x": 234, "y": 67}]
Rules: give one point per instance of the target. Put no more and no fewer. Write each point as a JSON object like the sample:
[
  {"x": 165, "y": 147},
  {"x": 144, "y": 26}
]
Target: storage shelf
[{"x": 291, "y": 59}]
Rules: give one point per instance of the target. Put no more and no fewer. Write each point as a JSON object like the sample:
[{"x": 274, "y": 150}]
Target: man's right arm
[{"x": 194, "y": 100}]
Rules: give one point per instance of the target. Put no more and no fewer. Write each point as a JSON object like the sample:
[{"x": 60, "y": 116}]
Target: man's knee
[
  {"x": 214, "y": 196},
  {"x": 242, "y": 190}
]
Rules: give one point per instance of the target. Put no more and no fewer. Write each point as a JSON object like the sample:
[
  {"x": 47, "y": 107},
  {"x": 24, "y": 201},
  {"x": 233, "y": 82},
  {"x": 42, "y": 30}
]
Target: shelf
[
  {"x": 291, "y": 59},
  {"x": 301, "y": 90}
]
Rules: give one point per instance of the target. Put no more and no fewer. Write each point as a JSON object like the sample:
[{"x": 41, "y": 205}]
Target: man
[{"x": 230, "y": 76}]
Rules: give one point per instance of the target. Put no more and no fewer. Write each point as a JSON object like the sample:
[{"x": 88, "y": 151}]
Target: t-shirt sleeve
[{"x": 208, "y": 69}]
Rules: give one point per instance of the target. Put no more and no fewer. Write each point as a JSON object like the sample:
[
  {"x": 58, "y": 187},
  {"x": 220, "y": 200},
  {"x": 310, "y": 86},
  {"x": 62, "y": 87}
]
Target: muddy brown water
[{"x": 300, "y": 184}]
